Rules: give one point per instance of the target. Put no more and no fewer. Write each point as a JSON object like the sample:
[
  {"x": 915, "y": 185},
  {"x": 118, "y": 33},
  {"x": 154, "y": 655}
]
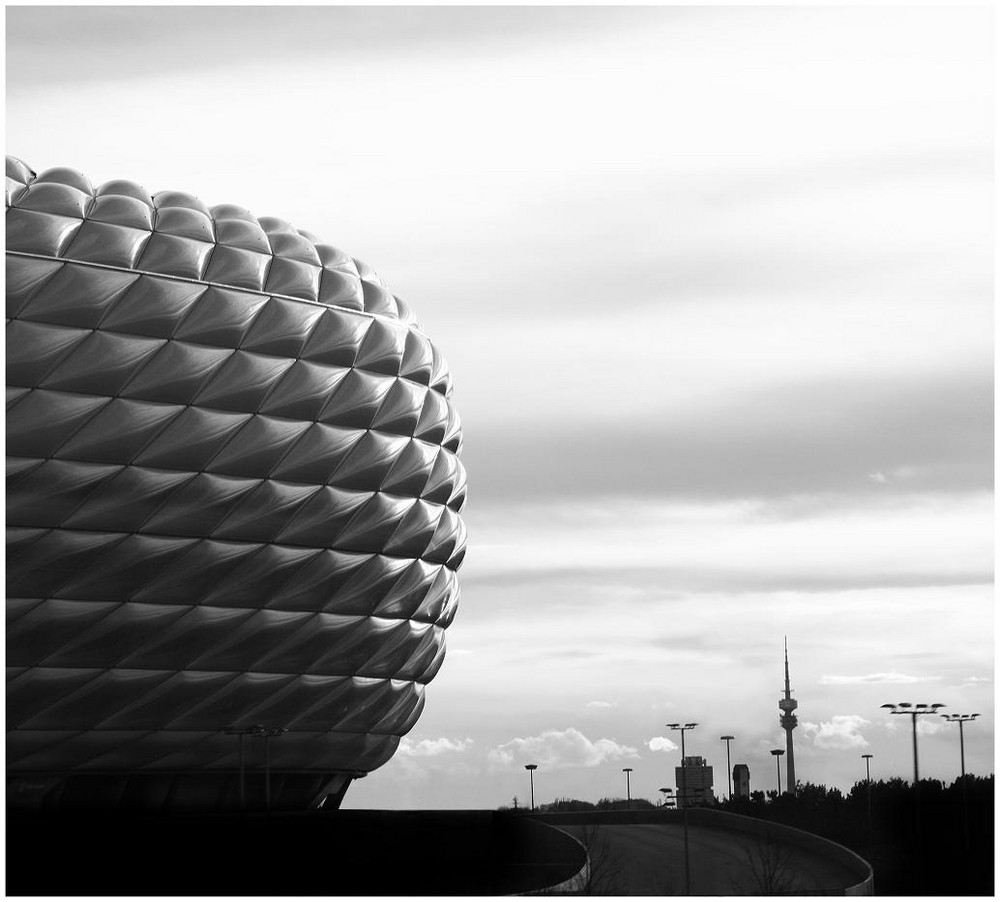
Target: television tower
[{"x": 788, "y": 723}]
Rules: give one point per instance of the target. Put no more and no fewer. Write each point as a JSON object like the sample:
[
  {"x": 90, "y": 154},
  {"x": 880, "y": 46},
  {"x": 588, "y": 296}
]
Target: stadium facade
[{"x": 233, "y": 509}]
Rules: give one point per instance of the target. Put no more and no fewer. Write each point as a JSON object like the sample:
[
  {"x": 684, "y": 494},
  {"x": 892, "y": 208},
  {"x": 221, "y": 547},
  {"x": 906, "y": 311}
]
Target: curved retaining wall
[
  {"x": 737, "y": 823},
  {"x": 724, "y": 820}
]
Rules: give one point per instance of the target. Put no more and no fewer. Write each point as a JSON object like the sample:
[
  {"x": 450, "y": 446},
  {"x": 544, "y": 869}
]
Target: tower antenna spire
[{"x": 789, "y": 722}]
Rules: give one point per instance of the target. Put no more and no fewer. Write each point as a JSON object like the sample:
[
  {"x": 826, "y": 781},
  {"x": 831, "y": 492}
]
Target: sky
[{"x": 715, "y": 287}]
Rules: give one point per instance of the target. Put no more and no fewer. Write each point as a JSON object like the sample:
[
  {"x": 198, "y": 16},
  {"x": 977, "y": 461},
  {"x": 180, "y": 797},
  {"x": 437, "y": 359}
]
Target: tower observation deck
[{"x": 789, "y": 722}]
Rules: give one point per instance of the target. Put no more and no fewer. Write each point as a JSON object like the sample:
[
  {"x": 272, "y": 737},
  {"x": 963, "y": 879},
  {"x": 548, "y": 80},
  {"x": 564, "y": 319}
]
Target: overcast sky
[{"x": 715, "y": 285}]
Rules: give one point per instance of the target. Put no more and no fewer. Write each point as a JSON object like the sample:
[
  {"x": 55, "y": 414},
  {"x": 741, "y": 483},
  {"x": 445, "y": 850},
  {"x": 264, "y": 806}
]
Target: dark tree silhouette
[{"x": 930, "y": 839}]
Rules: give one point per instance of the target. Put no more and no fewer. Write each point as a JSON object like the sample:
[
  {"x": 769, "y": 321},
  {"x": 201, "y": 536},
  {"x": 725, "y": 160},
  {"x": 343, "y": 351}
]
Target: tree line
[{"x": 923, "y": 839}]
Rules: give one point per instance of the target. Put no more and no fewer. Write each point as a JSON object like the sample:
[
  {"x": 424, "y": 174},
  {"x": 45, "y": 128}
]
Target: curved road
[{"x": 648, "y": 859}]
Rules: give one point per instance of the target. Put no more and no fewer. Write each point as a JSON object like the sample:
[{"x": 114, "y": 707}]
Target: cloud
[
  {"x": 761, "y": 441},
  {"x": 661, "y": 744},
  {"x": 878, "y": 477},
  {"x": 973, "y": 681},
  {"x": 840, "y": 732},
  {"x": 428, "y": 748},
  {"x": 600, "y": 705},
  {"x": 890, "y": 677},
  {"x": 560, "y": 748}
]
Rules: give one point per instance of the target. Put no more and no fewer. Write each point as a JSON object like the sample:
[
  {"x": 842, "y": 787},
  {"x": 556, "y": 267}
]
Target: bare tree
[
  {"x": 602, "y": 875},
  {"x": 770, "y": 866}
]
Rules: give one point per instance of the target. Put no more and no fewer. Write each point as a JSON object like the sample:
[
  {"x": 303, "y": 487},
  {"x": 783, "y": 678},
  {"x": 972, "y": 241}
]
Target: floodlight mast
[
  {"x": 914, "y": 711},
  {"x": 531, "y": 768},
  {"x": 687, "y": 856},
  {"x": 961, "y": 720}
]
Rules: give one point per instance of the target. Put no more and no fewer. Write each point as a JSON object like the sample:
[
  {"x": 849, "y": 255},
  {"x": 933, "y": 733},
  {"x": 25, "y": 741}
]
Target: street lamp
[
  {"x": 914, "y": 711},
  {"x": 531, "y": 768},
  {"x": 243, "y": 732},
  {"x": 628, "y": 787},
  {"x": 266, "y": 733},
  {"x": 729, "y": 767},
  {"x": 868, "y": 782},
  {"x": 961, "y": 720},
  {"x": 684, "y": 797},
  {"x": 777, "y": 763}
]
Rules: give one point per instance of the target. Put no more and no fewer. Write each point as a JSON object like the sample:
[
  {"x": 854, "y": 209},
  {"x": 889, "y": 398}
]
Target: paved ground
[{"x": 648, "y": 859}]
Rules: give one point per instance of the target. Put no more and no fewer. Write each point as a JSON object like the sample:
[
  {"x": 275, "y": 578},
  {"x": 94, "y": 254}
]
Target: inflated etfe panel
[{"x": 233, "y": 498}]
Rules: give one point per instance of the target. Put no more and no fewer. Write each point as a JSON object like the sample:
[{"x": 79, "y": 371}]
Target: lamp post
[
  {"x": 531, "y": 768},
  {"x": 914, "y": 711},
  {"x": 243, "y": 732},
  {"x": 628, "y": 787},
  {"x": 777, "y": 763},
  {"x": 868, "y": 783},
  {"x": 684, "y": 800},
  {"x": 729, "y": 766},
  {"x": 267, "y": 733},
  {"x": 961, "y": 720}
]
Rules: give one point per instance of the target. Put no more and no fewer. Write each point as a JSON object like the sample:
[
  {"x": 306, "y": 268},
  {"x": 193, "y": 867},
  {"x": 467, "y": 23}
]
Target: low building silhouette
[
  {"x": 694, "y": 782},
  {"x": 741, "y": 781}
]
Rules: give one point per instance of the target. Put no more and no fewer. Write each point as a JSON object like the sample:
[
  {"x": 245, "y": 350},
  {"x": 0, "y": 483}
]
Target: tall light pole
[
  {"x": 628, "y": 787},
  {"x": 243, "y": 732},
  {"x": 961, "y": 720},
  {"x": 777, "y": 763},
  {"x": 684, "y": 796},
  {"x": 868, "y": 784},
  {"x": 914, "y": 711},
  {"x": 531, "y": 768},
  {"x": 729, "y": 766},
  {"x": 267, "y": 733}
]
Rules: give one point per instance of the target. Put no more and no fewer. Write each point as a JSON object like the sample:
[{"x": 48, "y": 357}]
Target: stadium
[{"x": 233, "y": 509}]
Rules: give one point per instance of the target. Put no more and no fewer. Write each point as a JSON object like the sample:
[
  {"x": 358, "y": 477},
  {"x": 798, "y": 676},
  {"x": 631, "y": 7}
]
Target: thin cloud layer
[
  {"x": 893, "y": 677},
  {"x": 560, "y": 748}
]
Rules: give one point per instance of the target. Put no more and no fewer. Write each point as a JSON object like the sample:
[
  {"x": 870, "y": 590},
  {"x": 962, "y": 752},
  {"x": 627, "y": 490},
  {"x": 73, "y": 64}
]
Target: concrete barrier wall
[
  {"x": 855, "y": 864},
  {"x": 737, "y": 823},
  {"x": 533, "y": 856}
]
